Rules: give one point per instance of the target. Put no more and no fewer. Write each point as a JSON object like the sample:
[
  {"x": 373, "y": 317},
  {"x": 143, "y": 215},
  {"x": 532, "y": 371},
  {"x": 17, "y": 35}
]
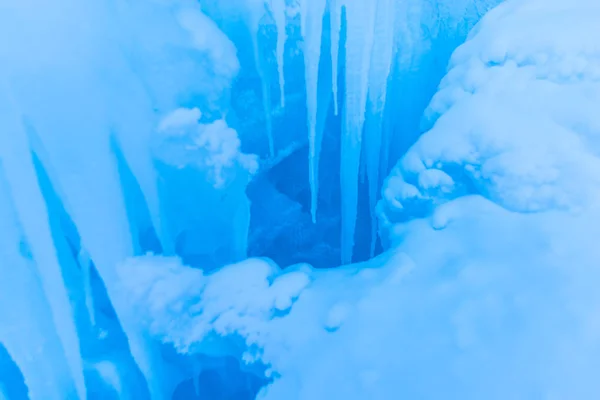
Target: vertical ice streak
[
  {"x": 97, "y": 210},
  {"x": 312, "y": 29},
  {"x": 266, "y": 97},
  {"x": 30, "y": 341},
  {"x": 360, "y": 20},
  {"x": 335, "y": 12},
  {"x": 255, "y": 12},
  {"x": 31, "y": 211},
  {"x": 133, "y": 137},
  {"x": 278, "y": 10},
  {"x": 381, "y": 63},
  {"x": 86, "y": 267}
]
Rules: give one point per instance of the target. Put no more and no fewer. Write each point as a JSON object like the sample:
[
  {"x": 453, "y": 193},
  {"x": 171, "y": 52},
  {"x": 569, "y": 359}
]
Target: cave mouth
[{"x": 221, "y": 379}]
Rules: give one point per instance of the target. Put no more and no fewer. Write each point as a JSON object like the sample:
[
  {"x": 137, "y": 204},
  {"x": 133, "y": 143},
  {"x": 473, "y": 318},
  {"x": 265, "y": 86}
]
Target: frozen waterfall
[{"x": 299, "y": 199}]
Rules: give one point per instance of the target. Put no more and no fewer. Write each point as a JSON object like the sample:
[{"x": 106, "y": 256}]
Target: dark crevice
[{"x": 12, "y": 381}]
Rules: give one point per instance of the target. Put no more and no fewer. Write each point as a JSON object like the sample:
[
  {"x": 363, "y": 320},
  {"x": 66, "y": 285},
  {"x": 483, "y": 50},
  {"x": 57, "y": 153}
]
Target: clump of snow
[
  {"x": 184, "y": 306},
  {"x": 203, "y": 178},
  {"x": 213, "y": 148},
  {"x": 176, "y": 122}
]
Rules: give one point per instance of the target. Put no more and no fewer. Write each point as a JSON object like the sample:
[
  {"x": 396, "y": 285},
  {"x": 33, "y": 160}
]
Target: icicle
[
  {"x": 133, "y": 139},
  {"x": 278, "y": 11},
  {"x": 381, "y": 62},
  {"x": 266, "y": 100},
  {"x": 335, "y": 11},
  {"x": 27, "y": 332},
  {"x": 31, "y": 211},
  {"x": 360, "y": 20},
  {"x": 97, "y": 210},
  {"x": 254, "y": 14},
  {"x": 312, "y": 29},
  {"x": 86, "y": 266}
]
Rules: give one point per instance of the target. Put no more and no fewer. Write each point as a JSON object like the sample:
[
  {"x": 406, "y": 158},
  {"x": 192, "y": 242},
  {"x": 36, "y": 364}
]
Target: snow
[
  {"x": 177, "y": 120},
  {"x": 496, "y": 148}
]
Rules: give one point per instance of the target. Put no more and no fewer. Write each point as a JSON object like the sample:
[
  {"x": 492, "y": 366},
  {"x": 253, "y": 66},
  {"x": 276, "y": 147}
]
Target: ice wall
[{"x": 84, "y": 87}]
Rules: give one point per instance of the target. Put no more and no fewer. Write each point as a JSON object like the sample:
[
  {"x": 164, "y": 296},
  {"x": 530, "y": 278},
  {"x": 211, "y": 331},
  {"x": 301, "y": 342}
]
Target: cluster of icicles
[{"x": 370, "y": 29}]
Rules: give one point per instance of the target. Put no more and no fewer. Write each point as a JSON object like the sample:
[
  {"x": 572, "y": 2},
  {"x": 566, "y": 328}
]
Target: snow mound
[{"x": 515, "y": 119}]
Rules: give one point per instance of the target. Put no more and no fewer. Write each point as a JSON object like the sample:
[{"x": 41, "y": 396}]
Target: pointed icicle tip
[
  {"x": 279, "y": 15},
  {"x": 335, "y": 12}
]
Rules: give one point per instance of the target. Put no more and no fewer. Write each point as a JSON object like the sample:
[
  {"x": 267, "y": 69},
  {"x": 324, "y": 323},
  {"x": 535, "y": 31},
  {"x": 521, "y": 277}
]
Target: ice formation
[
  {"x": 391, "y": 38},
  {"x": 279, "y": 15},
  {"x": 134, "y": 183}
]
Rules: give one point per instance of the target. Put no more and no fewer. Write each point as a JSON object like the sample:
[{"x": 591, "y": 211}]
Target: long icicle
[
  {"x": 31, "y": 211},
  {"x": 360, "y": 20},
  {"x": 312, "y": 29},
  {"x": 381, "y": 62},
  {"x": 254, "y": 14},
  {"x": 335, "y": 11},
  {"x": 278, "y": 11}
]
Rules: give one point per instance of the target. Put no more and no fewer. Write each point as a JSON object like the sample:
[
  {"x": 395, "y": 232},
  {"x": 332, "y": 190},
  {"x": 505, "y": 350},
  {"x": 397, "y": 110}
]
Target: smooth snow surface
[{"x": 154, "y": 155}]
